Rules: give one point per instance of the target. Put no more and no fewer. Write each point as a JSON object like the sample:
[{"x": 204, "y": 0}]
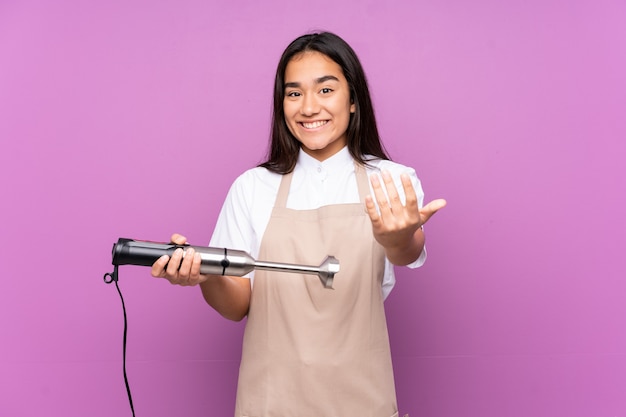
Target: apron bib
[{"x": 309, "y": 351}]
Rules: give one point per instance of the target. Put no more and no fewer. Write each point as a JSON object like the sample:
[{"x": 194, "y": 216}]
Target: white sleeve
[
  {"x": 396, "y": 170},
  {"x": 234, "y": 229},
  {"x": 417, "y": 186}
]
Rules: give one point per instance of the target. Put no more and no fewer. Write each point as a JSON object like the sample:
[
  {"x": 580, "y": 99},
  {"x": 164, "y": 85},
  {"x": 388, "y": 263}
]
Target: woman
[{"x": 307, "y": 350}]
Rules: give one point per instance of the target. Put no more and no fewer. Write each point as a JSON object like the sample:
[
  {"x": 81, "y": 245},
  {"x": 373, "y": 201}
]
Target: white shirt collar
[{"x": 335, "y": 163}]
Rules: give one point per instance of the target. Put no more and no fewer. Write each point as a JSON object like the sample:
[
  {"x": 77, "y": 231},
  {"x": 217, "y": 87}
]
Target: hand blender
[{"x": 215, "y": 261}]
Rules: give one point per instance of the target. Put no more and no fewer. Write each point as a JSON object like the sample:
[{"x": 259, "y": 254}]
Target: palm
[{"x": 395, "y": 223}]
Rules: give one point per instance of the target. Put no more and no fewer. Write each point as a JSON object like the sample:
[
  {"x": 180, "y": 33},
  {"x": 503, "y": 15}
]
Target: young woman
[{"x": 327, "y": 188}]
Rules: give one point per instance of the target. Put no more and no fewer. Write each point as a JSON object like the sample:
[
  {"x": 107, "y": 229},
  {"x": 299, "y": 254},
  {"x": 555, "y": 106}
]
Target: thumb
[
  {"x": 431, "y": 208},
  {"x": 178, "y": 239}
]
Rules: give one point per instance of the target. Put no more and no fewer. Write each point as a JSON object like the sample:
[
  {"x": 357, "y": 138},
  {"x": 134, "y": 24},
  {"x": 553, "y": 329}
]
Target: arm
[
  {"x": 229, "y": 296},
  {"x": 398, "y": 227}
]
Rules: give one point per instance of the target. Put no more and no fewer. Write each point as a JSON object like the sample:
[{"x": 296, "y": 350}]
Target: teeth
[{"x": 313, "y": 125}]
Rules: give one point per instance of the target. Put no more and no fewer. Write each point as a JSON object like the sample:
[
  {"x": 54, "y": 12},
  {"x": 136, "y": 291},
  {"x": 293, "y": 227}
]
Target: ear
[{"x": 352, "y": 103}]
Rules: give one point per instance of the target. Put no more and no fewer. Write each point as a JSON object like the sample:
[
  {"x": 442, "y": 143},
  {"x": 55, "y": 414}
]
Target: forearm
[
  {"x": 405, "y": 253},
  {"x": 229, "y": 296}
]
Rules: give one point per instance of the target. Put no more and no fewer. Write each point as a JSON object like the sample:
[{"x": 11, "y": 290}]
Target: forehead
[{"x": 311, "y": 65}]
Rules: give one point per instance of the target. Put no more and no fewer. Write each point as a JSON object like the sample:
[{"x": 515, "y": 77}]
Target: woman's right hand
[
  {"x": 179, "y": 270},
  {"x": 229, "y": 296}
]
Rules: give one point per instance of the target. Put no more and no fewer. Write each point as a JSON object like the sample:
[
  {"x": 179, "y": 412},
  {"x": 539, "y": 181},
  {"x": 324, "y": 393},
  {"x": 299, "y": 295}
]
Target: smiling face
[{"x": 317, "y": 104}]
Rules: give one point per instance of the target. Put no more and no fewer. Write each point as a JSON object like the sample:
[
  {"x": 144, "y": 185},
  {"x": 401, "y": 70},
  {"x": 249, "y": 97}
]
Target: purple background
[{"x": 132, "y": 118}]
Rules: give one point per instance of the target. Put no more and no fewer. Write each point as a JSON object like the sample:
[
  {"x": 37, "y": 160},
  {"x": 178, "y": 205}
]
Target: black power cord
[{"x": 109, "y": 278}]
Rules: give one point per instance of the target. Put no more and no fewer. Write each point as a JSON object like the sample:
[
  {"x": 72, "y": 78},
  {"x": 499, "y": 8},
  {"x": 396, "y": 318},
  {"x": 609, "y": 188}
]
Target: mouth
[{"x": 313, "y": 125}]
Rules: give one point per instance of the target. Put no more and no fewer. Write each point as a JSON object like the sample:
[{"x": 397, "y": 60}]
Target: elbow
[
  {"x": 228, "y": 311},
  {"x": 234, "y": 316},
  {"x": 231, "y": 299}
]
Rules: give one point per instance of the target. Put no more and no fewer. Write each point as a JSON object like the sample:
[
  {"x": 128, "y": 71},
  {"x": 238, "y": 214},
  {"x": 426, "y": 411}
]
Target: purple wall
[{"x": 131, "y": 119}]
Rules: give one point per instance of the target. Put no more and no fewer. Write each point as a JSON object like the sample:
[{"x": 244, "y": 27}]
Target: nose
[{"x": 310, "y": 105}]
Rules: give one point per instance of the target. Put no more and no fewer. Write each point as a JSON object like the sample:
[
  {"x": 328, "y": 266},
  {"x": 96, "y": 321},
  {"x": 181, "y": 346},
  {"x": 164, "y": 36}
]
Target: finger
[
  {"x": 193, "y": 277},
  {"x": 174, "y": 263},
  {"x": 409, "y": 192},
  {"x": 431, "y": 208},
  {"x": 195, "y": 266},
  {"x": 158, "y": 267},
  {"x": 392, "y": 192},
  {"x": 185, "y": 265},
  {"x": 379, "y": 195},
  {"x": 370, "y": 207},
  {"x": 178, "y": 239}
]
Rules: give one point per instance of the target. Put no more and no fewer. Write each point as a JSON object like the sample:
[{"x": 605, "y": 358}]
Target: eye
[
  {"x": 293, "y": 94},
  {"x": 326, "y": 90}
]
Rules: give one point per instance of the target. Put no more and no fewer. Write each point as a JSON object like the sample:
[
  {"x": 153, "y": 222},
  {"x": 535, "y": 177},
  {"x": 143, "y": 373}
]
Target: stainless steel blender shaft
[
  {"x": 216, "y": 261},
  {"x": 326, "y": 271},
  {"x": 220, "y": 261}
]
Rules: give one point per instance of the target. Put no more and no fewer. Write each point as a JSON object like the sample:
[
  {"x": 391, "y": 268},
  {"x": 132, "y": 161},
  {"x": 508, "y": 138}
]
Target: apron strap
[
  {"x": 283, "y": 191},
  {"x": 362, "y": 181}
]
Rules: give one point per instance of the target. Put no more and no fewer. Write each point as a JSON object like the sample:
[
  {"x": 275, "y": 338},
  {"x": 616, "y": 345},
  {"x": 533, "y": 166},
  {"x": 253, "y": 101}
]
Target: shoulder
[
  {"x": 252, "y": 187},
  {"x": 256, "y": 177},
  {"x": 248, "y": 203}
]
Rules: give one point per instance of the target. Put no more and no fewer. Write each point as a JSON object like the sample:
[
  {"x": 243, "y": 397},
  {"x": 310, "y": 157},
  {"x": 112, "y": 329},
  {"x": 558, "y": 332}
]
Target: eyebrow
[{"x": 319, "y": 80}]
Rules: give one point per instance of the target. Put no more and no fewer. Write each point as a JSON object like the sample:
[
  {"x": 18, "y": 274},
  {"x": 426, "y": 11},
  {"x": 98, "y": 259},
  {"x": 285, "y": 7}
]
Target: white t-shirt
[{"x": 249, "y": 203}]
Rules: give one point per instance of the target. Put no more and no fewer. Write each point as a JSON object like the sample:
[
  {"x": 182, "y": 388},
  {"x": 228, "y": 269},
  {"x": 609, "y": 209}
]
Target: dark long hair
[{"x": 362, "y": 133}]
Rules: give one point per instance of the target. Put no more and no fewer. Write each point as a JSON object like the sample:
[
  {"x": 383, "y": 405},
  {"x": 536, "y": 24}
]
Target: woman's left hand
[{"x": 396, "y": 225}]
